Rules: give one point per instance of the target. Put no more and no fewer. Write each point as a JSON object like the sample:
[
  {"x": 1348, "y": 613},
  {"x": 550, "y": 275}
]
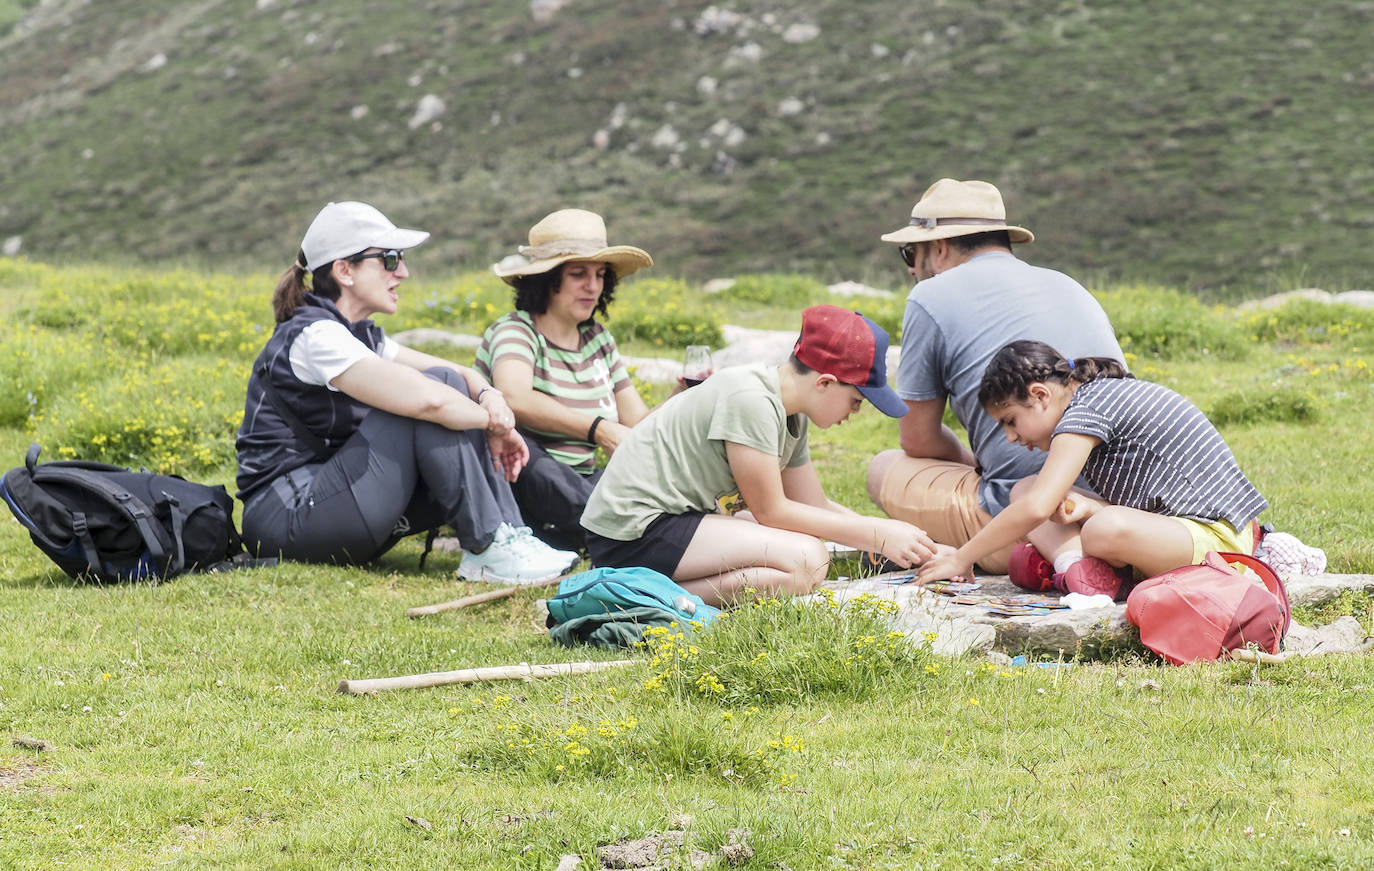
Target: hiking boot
[
  {"x": 1089, "y": 576},
  {"x": 515, "y": 556},
  {"x": 1029, "y": 569}
]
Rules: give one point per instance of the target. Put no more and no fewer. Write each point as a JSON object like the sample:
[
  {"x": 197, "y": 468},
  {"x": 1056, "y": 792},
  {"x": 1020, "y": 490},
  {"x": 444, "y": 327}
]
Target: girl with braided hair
[{"x": 1167, "y": 488}]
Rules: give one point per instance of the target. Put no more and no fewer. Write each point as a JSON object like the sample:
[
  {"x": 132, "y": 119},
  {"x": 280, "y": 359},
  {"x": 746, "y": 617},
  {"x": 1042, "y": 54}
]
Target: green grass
[{"x": 215, "y": 737}]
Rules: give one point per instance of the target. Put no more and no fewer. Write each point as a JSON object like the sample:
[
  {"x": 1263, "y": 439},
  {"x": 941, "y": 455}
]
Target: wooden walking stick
[
  {"x": 523, "y": 671},
  {"x": 479, "y": 598},
  {"x": 466, "y": 601}
]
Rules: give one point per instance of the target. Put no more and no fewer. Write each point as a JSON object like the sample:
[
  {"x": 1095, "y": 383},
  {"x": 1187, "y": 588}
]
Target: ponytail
[
  {"x": 291, "y": 287},
  {"x": 1022, "y": 363}
]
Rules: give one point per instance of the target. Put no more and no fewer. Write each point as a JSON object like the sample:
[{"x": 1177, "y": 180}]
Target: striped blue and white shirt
[{"x": 1159, "y": 453}]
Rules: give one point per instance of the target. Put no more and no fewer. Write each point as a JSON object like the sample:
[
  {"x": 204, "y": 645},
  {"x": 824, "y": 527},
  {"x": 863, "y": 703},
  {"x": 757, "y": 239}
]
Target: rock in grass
[
  {"x": 28, "y": 743},
  {"x": 650, "y": 851}
]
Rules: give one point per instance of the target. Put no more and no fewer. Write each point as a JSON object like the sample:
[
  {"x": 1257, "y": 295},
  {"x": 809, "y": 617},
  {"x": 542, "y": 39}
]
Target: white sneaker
[{"x": 515, "y": 556}]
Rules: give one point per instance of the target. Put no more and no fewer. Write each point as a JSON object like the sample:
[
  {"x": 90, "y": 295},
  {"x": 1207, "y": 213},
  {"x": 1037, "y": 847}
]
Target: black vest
[{"x": 266, "y": 445}]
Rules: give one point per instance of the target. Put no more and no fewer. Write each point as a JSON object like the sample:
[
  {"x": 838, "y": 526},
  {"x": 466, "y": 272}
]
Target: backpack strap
[
  {"x": 117, "y": 497},
  {"x": 178, "y": 524},
  {"x": 83, "y": 535},
  {"x": 429, "y": 545},
  {"x": 312, "y": 441}
]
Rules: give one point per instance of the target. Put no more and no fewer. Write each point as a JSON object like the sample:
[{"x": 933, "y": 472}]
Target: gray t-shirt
[
  {"x": 674, "y": 460},
  {"x": 957, "y": 320},
  {"x": 1159, "y": 453}
]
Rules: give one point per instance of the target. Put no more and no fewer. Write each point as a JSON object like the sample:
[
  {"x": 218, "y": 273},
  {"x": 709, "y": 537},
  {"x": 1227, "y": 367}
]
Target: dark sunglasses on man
[
  {"x": 390, "y": 258},
  {"x": 908, "y": 252}
]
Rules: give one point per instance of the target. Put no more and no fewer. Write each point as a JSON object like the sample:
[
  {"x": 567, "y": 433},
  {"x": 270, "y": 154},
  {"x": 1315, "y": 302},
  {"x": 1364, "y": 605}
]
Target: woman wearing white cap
[
  {"x": 559, "y": 368},
  {"x": 351, "y": 441}
]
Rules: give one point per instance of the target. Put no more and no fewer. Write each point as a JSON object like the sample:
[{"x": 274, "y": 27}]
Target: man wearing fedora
[{"x": 972, "y": 296}]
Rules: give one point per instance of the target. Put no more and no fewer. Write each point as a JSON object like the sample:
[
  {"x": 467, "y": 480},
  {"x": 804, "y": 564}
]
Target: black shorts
[{"x": 660, "y": 548}]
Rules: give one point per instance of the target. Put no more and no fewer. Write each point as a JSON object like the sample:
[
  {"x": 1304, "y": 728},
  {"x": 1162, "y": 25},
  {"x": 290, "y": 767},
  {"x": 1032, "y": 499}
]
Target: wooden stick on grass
[
  {"x": 479, "y": 598},
  {"x": 1243, "y": 654},
  {"x": 523, "y": 671}
]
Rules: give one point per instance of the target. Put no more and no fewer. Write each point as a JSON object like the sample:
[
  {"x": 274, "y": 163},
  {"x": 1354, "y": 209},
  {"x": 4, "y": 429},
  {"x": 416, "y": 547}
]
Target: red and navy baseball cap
[{"x": 837, "y": 341}]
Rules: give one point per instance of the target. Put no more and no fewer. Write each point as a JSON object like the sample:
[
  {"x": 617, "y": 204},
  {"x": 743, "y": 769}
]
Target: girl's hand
[
  {"x": 1075, "y": 508},
  {"x": 945, "y": 566},
  {"x": 509, "y": 453}
]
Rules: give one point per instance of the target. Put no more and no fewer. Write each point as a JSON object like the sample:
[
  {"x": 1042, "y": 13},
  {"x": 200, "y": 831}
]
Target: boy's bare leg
[{"x": 730, "y": 555}]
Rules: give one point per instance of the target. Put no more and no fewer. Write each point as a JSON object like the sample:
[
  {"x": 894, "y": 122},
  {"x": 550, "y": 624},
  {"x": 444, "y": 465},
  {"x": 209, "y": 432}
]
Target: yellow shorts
[
  {"x": 940, "y": 497},
  {"x": 1219, "y": 535}
]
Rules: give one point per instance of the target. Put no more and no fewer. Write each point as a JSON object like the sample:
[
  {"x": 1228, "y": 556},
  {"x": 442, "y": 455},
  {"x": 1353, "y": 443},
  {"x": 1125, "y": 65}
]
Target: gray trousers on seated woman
[
  {"x": 551, "y": 496},
  {"x": 395, "y": 476}
]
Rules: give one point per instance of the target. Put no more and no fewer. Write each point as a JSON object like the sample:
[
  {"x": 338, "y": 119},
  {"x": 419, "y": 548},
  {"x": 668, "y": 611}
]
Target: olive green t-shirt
[{"x": 674, "y": 462}]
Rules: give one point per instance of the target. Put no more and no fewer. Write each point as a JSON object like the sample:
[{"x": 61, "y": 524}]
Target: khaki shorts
[
  {"x": 1219, "y": 535},
  {"x": 941, "y": 497}
]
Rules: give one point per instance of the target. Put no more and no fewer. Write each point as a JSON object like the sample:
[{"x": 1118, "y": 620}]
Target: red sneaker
[
  {"x": 1029, "y": 569},
  {"x": 1090, "y": 576}
]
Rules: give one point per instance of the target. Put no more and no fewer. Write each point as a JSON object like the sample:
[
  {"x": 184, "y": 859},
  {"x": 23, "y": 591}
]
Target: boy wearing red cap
[{"x": 668, "y": 497}]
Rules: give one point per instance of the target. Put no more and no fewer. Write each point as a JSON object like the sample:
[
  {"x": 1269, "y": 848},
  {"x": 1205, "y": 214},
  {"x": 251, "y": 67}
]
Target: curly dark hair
[
  {"x": 532, "y": 292},
  {"x": 1024, "y": 362}
]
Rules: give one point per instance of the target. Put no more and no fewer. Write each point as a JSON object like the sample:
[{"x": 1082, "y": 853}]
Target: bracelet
[
  {"x": 483, "y": 391},
  {"x": 591, "y": 431}
]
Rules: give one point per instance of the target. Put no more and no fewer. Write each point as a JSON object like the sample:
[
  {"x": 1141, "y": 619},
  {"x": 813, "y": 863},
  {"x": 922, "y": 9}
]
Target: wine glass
[{"x": 696, "y": 364}]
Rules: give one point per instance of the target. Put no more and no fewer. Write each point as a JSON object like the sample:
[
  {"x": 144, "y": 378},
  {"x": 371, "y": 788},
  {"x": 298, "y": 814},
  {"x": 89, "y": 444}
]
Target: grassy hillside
[{"x": 1210, "y": 148}]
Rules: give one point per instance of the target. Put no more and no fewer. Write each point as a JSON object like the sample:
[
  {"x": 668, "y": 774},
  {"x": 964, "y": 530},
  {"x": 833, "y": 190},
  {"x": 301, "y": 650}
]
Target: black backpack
[{"x": 106, "y": 523}]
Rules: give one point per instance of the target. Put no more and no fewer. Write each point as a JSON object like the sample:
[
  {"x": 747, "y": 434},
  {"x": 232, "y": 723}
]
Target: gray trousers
[
  {"x": 395, "y": 476},
  {"x": 551, "y": 496}
]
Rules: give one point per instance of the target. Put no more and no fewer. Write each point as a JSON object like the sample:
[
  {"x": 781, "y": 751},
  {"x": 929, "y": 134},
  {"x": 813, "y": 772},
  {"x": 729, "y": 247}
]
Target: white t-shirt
[{"x": 326, "y": 349}]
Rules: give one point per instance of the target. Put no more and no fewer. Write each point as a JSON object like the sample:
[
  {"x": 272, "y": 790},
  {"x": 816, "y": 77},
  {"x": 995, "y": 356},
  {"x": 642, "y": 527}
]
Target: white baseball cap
[{"x": 344, "y": 229}]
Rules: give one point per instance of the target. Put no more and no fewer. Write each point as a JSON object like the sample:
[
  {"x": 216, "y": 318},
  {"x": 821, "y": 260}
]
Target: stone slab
[{"x": 1088, "y": 633}]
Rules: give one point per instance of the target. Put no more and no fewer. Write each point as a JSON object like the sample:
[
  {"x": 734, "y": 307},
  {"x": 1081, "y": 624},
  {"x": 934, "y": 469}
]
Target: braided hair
[{"x": 1022, "y": 363}]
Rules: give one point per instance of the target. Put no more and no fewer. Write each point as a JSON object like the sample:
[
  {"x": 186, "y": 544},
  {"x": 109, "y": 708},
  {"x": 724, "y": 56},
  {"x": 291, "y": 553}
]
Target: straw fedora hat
[
  {"x": 569, "y": 234},
  {"x": 957, "y": 208}
]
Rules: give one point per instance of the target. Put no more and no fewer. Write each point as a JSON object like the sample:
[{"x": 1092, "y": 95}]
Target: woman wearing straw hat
[
  {"x": 351, "y": 441},
  {"x": 559, "y": 368}
]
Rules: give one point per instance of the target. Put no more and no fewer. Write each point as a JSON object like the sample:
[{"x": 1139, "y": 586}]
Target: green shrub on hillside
[
  {"x": 38, "y": 363},
  {"x": 1152, "y": 322},
  {"x": 177, "y": 416},
  {"x": 596, "y": 739},
  {"x": 665, "y": 312},
  {"x": 775, "y": 289},
  {"x": 1306, "y": 322},
  {"x": 1264, "y": 404},
  {"x": 886, "y": 313},
  {"x": 467, "y": 304},
  {"x": 844, "y": 649}
]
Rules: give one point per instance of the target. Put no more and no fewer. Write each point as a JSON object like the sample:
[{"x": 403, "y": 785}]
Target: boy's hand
[{"x": 902, "y": 543}]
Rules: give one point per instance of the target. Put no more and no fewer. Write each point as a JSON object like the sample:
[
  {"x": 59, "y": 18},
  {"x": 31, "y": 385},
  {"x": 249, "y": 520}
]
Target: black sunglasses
[
  {"x": 390, "y": 258},
  {"x": 908, "y": 252}
]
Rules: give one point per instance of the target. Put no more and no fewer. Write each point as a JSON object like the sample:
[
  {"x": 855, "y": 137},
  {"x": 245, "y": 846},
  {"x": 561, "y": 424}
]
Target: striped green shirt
[{"x": 585, "y": 378}]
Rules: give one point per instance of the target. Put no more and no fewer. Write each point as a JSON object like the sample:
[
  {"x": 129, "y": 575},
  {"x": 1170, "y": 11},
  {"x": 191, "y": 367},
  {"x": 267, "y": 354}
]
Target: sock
[{"x": 1066, "y": 559}]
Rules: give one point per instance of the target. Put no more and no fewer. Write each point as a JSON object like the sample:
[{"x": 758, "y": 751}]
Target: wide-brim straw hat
[
  {"x": 957, "y": 208},
  {"x": 570, "y": 234}
]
